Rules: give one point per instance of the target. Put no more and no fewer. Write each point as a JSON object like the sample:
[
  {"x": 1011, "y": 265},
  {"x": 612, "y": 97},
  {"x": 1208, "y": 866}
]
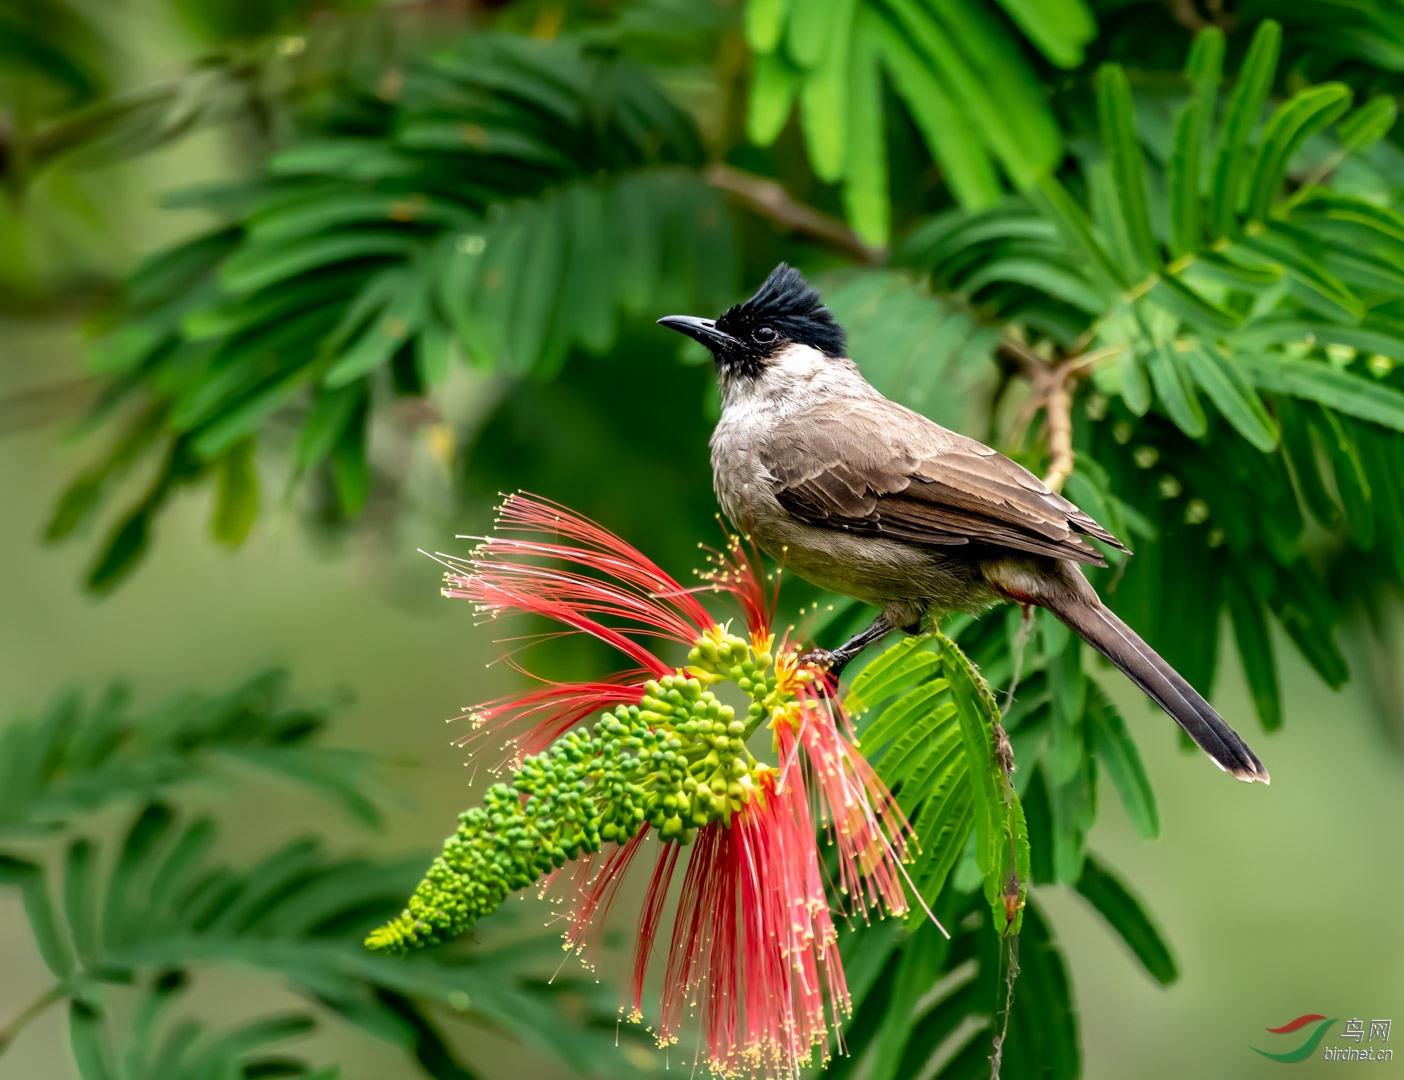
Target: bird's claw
[{"x": 825, "y": 677}]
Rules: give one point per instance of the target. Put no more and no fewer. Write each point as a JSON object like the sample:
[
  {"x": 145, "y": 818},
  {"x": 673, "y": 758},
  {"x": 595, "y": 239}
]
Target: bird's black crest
[{"x": 793, "y": 308}]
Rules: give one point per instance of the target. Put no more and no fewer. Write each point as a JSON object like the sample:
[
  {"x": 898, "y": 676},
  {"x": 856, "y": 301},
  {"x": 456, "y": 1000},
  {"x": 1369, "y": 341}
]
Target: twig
[
  {"x": 1052, "y": 392},
  {"x": 31, "y": 1012},
  {"x": 769, "y": 199},
  {"x": 1187, "y": 15},
  {"x": 1009, "y": 961},
  {"x": 43, "y": 405},
  {"x": 1184, "y": 13},
  {"x": 1057, "y": 411}
]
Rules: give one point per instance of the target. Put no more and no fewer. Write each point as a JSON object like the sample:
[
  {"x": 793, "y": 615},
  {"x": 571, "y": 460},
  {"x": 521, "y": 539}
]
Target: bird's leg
[{"x": 834, "y": 662}]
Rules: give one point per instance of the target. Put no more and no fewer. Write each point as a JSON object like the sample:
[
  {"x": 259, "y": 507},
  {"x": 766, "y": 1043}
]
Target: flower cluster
[{"x": 753, "y": 945}]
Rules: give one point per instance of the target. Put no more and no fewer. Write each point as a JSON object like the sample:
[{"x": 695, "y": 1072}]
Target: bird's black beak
[{"x": 703, "y": 330}]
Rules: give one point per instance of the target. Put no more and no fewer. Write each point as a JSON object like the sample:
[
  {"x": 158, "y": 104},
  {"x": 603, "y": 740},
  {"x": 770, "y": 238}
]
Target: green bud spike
[{"x": 676, "y": 761}]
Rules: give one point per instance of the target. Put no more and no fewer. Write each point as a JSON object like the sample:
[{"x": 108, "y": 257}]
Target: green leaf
[
  {"x": 350, "y": 470},
  {"x": 1352, "y": 483},
  {"x": 129, "y": 346},
  {"x": 168, "y": 273},
  {"x": 1001, "y": 834},
  {"x": 1307, "y": 112},
  {"x": 774, "y": 84},
  {"x": 1383, "y": 221},
  {"x": 953, "y": 142},
  {"x": 1307, "y": 466},
  {"x": 1116, "y": 750},
  {"x": 304, "y": 211},
  {"x": 1182, "y": 181},
  {"x": 30, "y": 878},
  {"x": 765, "y": 20},
  {"x": 259, "y": 266},
  {"x": 1364, "y": 272},
  {"x": 1134, "y": 385},
  {"x": 919, "y": 736},
  {"x": 79, "y": 901},
  {"x": 824, "y": 95},
  {"x": 940, "y": 1024},
  {"x": 1250, "y": 630},
  {"x": 397, "y": 323},
  {"x": 87, "y": 1033},
  {"x": 1241, "y": 114},
  {"x": 236, "y": 500},
  {"x": 1055, "y": 201},
  {"x": 1368, "y": 124},
  {"x": 1204, "y": 68},
  {"x": 1125, "y": 915},
  {"x": 942, "y": 828},
  {"x": 865, "y": 189},
  {"x": 1233, "y": 395},
  {"x": 184, "y": 857},
  {"x": 1073, "y": 803},
  {"x": 1175, "y": 390},
  {"x": 918, "y": 969},
  {"x": 1375, "y": 335},
  {"x": 433, "y": 355},
  {"x": 894, "y": 670},
  {"x": 990, "y": 82},
  {"x": 917, "y": 704},
  {"x": 125, "y": 546},
  {"x": 1305, "y": 610},
  {"x": 228, "y": 315},
  {"x": 247, "y": 413},
  {"x": 810, "y": 36},
  {"x": 1060, "y": 28},
  {"x": 1353, "y": 395},
  {"x": 1204, "y": 65},
  {"x": 1175, "y": 296},
  {"x": 1116, "y": 113},
  {"x": 332, "y": 410},
  {"x": 85, "y": 756},
  {"x": 128, "y": 877},
  {"x": 1041, "y": 274}
]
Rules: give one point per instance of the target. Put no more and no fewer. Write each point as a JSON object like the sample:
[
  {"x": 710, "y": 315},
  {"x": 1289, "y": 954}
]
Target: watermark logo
[{"x": 1318, "y": 1025}]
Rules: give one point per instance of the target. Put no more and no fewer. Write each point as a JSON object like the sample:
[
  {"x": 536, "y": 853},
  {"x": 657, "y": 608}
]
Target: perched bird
[{"x": 865, "y": 497}]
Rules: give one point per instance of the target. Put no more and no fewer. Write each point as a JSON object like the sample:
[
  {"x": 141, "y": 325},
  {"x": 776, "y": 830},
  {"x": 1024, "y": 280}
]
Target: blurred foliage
[
  {"x": 124, "y": 936},
  {"x": 435, "y": 276},
  {"x": 77, "y": 756},
  {"x": 508, "y": 201}
]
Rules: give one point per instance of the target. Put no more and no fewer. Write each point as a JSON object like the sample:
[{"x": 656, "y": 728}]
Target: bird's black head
[{"x": 784, "y": 311}]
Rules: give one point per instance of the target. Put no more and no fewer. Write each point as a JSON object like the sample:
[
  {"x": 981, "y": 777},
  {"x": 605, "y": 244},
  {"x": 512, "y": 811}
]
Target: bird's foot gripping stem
[{"x": 832, "y": 662}]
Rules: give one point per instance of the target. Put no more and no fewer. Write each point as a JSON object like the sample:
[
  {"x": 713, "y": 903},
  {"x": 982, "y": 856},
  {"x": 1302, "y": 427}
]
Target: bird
[{"x": 865, "y": 497}]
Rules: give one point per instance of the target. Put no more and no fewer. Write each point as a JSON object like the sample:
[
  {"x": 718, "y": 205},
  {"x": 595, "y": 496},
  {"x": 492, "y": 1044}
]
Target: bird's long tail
[{"x": 1085, "y": 613}]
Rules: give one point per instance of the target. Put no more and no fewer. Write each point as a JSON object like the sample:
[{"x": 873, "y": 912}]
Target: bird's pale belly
[{"x": 902, "y": 579}]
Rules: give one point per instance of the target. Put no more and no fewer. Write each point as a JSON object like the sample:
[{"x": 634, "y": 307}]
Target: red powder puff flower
[{"x": 752, "y": 945}]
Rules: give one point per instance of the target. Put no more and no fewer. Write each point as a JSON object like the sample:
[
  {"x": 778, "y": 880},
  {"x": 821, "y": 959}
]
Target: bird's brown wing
[{"x": 877, "y": 468}]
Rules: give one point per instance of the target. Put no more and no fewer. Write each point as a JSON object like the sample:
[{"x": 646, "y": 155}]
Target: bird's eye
[{"x": 763, "y": 335}]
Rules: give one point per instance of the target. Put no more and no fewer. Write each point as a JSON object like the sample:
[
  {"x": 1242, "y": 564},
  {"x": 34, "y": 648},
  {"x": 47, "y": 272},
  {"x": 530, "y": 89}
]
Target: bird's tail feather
[{"x": 1111, "y": 637}]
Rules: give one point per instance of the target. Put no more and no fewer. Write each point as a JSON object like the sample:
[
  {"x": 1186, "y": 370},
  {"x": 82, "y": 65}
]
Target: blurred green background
[{"x": 1276, "y": 901}]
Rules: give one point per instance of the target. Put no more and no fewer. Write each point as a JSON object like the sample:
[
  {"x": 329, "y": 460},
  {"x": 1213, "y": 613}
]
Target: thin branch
[
  {"x": 44, "y": 405},
  {"x": 1052, "y": 392},
  {"x": 30, "y": 1013},
  {"x": 1187, "y": 15},
  {"x": 769, "y": 199},
  {"x": 1057, "y": 411}
]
